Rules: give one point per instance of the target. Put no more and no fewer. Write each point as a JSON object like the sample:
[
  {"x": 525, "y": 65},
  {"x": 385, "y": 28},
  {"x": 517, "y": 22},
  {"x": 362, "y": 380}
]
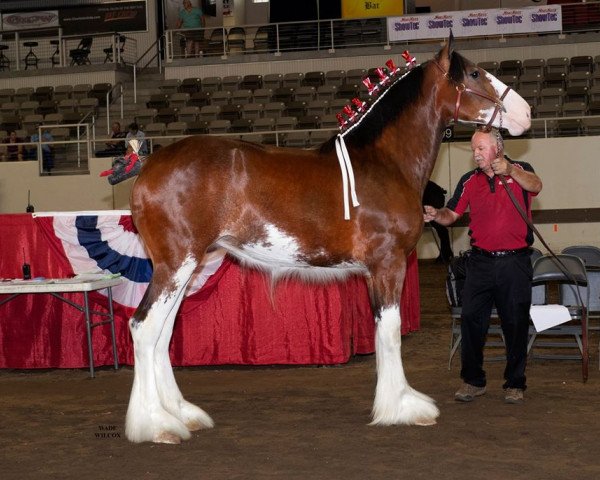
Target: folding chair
[
  {"x": 81, "y": 54},
  {"x": 568, "y": 274}
]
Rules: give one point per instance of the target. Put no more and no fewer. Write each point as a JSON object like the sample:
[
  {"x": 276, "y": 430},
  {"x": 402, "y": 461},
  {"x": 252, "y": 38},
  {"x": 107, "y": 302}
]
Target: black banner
[{"x": 106, "y": 17}]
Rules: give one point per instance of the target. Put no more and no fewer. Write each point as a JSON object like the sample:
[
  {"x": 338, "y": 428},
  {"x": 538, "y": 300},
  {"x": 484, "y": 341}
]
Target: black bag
[{"x": 455, "y": 280}]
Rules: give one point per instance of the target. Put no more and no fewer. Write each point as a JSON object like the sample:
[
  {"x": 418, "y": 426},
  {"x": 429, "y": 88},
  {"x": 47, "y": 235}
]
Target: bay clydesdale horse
[{"x": 281, "y": 210}]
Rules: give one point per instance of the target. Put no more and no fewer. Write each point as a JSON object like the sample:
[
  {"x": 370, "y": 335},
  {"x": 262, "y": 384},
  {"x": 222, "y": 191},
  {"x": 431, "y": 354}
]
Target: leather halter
[{"x": 462, "y": 88}]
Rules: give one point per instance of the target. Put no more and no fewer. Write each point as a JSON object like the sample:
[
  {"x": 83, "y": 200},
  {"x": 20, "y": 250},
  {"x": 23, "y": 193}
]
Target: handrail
[
  {"x": 159, "y": 45},
  {"x": 109, "y": 103}
]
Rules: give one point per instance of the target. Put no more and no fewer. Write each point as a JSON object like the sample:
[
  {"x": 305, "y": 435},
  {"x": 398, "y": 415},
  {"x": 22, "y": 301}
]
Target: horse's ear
[
  {"x": 450, "y": 44},
  {"x": 445, "y": 54}
]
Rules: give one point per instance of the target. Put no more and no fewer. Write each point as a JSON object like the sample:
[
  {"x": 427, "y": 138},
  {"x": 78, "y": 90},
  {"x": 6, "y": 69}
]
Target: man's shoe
[
  {"x": 513, "y": 395},
  {"x": 468, "y": 392}
]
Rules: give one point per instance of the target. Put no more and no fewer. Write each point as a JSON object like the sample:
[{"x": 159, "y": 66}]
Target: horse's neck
[{"x": 412, "y": 142}]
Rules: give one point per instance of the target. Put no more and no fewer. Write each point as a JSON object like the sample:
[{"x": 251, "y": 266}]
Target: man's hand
[
  {"x": 501, "y": 166},
  {"x": 429, "y": 213}
]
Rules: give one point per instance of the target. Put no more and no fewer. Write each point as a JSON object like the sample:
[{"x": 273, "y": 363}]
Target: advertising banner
[
  {"x": 106, "y": 17},
  {"x": 377, "y": 8},
  {"x": 476, "y": 23},
  {"x": 29, "y": 20}
]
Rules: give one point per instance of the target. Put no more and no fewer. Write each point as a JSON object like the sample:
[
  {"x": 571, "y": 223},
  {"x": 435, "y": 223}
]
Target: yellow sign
[{"x": 375, "y": 8}]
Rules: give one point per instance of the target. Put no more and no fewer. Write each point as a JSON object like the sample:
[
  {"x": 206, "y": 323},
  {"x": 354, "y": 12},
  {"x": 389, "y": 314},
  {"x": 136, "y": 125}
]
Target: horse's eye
[{"x": 475, "y": 74}]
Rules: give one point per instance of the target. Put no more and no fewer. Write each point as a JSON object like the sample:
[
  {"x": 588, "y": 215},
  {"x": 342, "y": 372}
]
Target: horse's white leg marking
[
  {"x": 395, "y": 401},
  {"x": 193, "y": 417},
  {"x": 147, "y": 420}
]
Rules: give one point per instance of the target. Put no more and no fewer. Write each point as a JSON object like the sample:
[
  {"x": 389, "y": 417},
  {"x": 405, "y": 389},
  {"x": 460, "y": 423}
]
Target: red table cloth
[{"x": 230, "y": 320}]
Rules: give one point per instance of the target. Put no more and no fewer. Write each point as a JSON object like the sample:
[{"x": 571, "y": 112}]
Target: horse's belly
[{"x": 281, "y": 255}]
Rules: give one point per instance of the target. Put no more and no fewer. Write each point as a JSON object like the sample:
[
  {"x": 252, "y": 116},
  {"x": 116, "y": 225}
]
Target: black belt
[{"x": 500, "y": 253}]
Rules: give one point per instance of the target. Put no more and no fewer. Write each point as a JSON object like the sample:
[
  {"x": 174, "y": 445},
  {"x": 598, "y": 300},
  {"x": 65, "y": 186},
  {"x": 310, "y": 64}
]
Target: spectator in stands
[
  {"x": 135, "y": 132},
  {"x": 13, "y": 151},
  {"x": 435, "y": 196},
  {"x": 192, "y": 18},
  {"x": 499, "y": 269},
  {"x": 47, "y": 149},
  {"x": 114, "y": 148}
]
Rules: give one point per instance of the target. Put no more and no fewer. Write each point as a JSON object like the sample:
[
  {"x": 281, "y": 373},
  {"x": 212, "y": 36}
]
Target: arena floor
[{"x": 310, "y": 422}]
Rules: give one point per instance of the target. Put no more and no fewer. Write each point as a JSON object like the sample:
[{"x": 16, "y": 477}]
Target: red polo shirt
[{"x": 495, "y": 222}]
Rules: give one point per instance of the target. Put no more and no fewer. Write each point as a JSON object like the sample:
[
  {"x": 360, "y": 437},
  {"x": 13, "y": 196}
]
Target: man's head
[
  {"x": 133, "y": 127},
  {"x": 116, "y": 127},
  {"x": 486, "y": 145}
]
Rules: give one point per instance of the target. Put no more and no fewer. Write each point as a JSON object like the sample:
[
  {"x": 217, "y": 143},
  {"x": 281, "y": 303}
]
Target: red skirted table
[{"x": 230, "y": 320}]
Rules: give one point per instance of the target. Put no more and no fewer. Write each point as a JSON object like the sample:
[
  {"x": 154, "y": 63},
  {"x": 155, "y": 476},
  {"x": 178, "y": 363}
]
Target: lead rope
[
  {"x": 347, "y": 175},
  {"x": 558, "y": 262}
]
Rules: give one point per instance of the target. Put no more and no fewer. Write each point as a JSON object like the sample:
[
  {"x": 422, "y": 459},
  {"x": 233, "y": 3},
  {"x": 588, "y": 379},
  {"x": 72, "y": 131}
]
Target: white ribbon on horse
[{"x": 347, "y": 175}]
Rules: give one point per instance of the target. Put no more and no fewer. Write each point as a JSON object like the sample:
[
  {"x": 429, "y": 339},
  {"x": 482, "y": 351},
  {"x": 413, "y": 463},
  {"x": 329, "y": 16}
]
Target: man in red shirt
[{"x": 499, "y": 269}]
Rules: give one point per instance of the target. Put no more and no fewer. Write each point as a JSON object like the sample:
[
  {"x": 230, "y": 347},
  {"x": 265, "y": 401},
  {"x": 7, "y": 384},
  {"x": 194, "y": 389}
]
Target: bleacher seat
[
  {"x": 579, "y": 79},
  {"x": 314, "y": 79},
  {"x": 199, "y": 99},
  {"x": 209, "y": 112},
  {"x": 169, "y": 85},
  {"x": 211, "y": 84},
  {"x": 261, "y": 38},
  {"x": 220, "y": 97},
  {"x": 594, "y": 93},
  {"x": 10, "y": 122},
  {"x": 230, "y": 112},
  {"x": 318, "y": 137},
  {"x": 190, "y": 85},
  {"x": 530, "y": 80},
  {"x": 266, "y": 124},
  {"x": 43, "y": 93},
  {"x": 509, "y": 80},
  {"x": 252, "y": 110},
  {"x": 188, "y": 114},
  {"x": 590, "y": 125},
  {"x": 293, "y": 79},
  {"x": 283, "y": 94},
  {"x": 155, "y": 129},
  {"x": 231, "y": 82},
  {"x": 574, "y": 109},
  {"x": 144, "y": 116},
  {"x": 29, "y": 107},
  {"x": 81, "y": 90},
  {"x": 335, "y": 77},
  {"x": 581, "y": 63},
  {"x": 63, "y": 92},
  {"x": 557, "y": 65},
  {"x": 7, "y": 95},
  {"x": 348, "y": 90},
  {"x": 158, "y": 100},
  {"x": 217, "y": 127},
  {"x": 241, "y": 96},
  {"x": 53, "y": 118},
  {"x": 9, "y": 108},
  {"x": 548, "y": 111},
  {"x": 67, "y": 105},
  {"x": 274, "y": 109},
  {"x": 47, "y": 106},
  {"x": 23, "y": 94},
  {"x": 252, "y": 82},
  {"x": 576, "y": 94},
  {"x": 272, "y": 80},
  {"x": 327, "y": 92},
  {"x": 534, "y": 65},
  {"x": 241, "y": 125},
  {"x": 551, "y": 96},
  {"x": 198, "y": 127},
  {"x": 568, "y": 127},
  {"x": 305, "y": 93},
  {"x": 31, "y": 121},
  {"x": 317, "y": 107},
  {"x": 100, "y": 91},
  {"x": 286, "y": 123},
  {"x": 295, "y": 109},
  {"x": 166, "y": 115},
  {"x": 176, "y": 128},
  {"x": 178, "y": 99},
  {"x": 511, "y": 67},
  {"x": 308, "y": 122},
  {"x": 262, "y": 95}
]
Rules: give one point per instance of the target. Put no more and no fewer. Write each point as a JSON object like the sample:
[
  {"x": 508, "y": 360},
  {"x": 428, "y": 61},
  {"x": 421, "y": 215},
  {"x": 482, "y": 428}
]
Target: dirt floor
[{"x": 311, "y": 422}]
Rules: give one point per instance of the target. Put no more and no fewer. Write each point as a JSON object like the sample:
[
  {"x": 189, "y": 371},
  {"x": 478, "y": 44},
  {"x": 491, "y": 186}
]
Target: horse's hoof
[
  {"x": 194, "y": 418},
  {"x": 425, "y": 422},
  {"x": 167, "y": 437}
]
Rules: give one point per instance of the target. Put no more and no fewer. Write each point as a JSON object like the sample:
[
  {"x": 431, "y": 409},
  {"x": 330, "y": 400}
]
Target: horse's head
[{"x": 476, "y": 96}]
